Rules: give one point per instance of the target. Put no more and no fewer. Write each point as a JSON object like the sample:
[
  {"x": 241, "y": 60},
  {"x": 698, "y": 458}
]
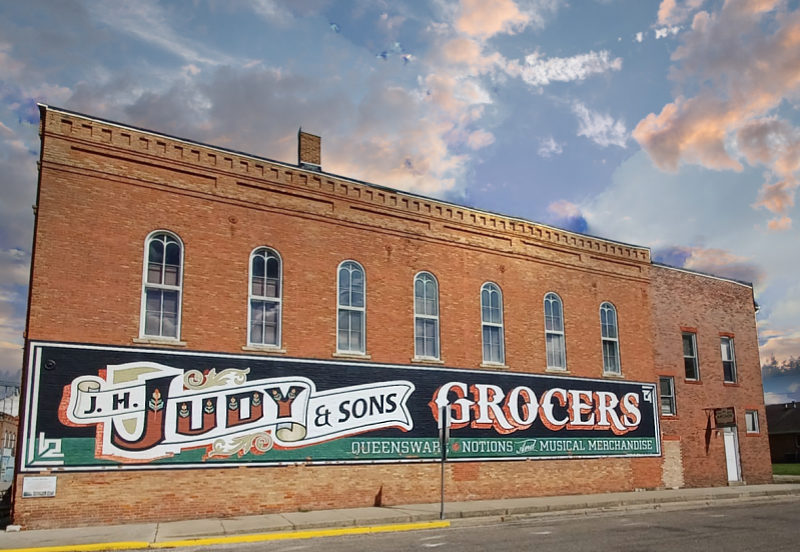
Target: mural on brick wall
[{"x": 89, "y": 407}]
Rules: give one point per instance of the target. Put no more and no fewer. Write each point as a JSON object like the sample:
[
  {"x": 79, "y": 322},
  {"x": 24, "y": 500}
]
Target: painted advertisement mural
[{"x": 92, "y": 407}]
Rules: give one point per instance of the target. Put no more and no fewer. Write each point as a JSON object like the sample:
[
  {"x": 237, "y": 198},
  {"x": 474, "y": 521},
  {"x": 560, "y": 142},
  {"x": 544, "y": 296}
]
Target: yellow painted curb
[{"x": 261, "y": 537}]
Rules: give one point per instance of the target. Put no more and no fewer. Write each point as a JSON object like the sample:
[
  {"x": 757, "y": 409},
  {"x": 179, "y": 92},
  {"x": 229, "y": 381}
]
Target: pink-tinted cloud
[
  {"x": 781, "y": 347},
  {"x": 717, "y": 262},
  {"x": 780, "y": 224},
  {"x": 741, "y": 75},
  {"x": 485, "y": 18},
  {"x": 480, "y": 139},
  {"x": 671, "y": 12},
  {"x": 777, "y": 197}
]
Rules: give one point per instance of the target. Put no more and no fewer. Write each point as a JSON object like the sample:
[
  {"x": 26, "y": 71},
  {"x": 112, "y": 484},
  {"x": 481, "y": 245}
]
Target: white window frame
[
  {"x": 614, "y": 340},
  {"x": 363, "y": 310},
  {"x": 732, "y": 360},
  {"x": 673, "y": 401},
  {"x": 163, "y": 287},
  {"x": 751, "y": 418},
  {"x": 435, "y": 317},
  {"x": 493, "y": 287},
  {"x": 263, "y": 298},
  {"x": 696, "y": 357},
  {"x": 553, "y": 296}
]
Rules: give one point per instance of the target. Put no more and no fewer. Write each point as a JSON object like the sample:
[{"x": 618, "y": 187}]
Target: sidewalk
[{"x": 368, "y": 520}]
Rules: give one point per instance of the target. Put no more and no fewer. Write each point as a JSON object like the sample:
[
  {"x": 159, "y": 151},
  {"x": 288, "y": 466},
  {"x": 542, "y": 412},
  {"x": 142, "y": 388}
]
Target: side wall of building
[{"x": 709, "y": 308}]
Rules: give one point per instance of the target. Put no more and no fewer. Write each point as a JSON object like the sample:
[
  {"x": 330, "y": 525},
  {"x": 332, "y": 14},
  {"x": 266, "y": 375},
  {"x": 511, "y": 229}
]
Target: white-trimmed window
[
  {"x": 492, "y": 323},
  {"x": 690, "y": 364},
  {"x": 426, "y": 316},
  {"x": 162, "y": 286},
  {"x": 728, "y": 359},
  {"x": 751, "y": 418},
  {"x": 666, "y": 390},
  {"x": 610, "y": 338},
  {"x": 351, "y": 312},
  {"x": 554, "y": 332},
  {"x": 264, "y": 312}
]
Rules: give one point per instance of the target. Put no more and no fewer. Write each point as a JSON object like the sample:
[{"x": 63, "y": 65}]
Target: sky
[{"x": 671, "y": 124}]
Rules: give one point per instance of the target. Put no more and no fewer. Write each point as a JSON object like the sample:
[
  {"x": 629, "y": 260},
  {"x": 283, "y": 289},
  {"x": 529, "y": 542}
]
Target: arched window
[
  {"x": 161, "y": 289},
  {"x": 610, "y": 335},
  {"x": 554, "y": 332},
  {"x": 351, "y": 315},
  {"x": 265, "y": 298},
  {"x": 426, "y": 316},
  {"x": 492, "y": 323}
]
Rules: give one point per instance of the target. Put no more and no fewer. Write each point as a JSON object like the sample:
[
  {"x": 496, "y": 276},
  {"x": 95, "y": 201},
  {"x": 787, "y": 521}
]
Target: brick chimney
[{"x": 309, "y": 151}]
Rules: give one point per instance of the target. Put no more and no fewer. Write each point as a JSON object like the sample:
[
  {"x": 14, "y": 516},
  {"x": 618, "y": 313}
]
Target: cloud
[
  {"x": 541, "y": 71},
  {"x": 780, "y": 346},
  {"x": 723, "y": 263},
  {"x": 548, "y": 147},
  {"x": 485, "y": 18},
  {"x": 716, "y": 262},
  {"x": 600, "y": 128},
  {"x": 480, "y": 139},
  {"x": 638, "y": 37},
  {"x": 671, "y": 12},
  {"x": 664, "y": 32},
  {"x": 567, "y": 215},
  {"x": 741, "y": 64},
  {"x": 780, "y": 224},
  {"x": 148, "y": 22},
  {"x": 13, "y": 268},
  {"x": 778, "y": 398}
]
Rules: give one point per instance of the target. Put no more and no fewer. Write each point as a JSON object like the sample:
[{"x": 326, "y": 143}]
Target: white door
[{"x": 732, "y": 454}]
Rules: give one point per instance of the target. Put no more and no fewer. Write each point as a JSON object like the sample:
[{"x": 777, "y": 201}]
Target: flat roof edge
[{"x": 703, "y": 274}]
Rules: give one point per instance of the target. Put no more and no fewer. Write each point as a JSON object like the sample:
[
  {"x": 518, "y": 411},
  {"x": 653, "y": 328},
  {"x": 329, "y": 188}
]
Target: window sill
[
  {"x": 495, "y": 366},
  {"x": 159, "y": 341},
  {"x": 670, "y": 417},
  {"x": 693, "y": 381},
  {"x": 557, "y": 371},
  {"x": 423, "y": 360},
  {"x": 264, "y": 349},
  {"x": 613, "y": 375},
  {"x": 353, "y": 356},
  {"x": 730, "y": 383},
  {"x": 753, "y": 434}
]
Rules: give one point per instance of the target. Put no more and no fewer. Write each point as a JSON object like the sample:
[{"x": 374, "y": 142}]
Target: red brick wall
[
  {"x": 105, "y": 188},
  {"x": 712, "y": 307}
]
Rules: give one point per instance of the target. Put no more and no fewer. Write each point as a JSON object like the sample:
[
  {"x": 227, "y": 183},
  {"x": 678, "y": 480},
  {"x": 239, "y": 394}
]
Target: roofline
[
  {"x": 332, "y": 175},
  {"x": 704, "y": 274}
]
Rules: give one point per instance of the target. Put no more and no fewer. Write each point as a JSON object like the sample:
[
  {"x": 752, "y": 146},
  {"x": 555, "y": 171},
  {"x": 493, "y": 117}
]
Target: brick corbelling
[
  {"x": 302, "y": 204},
  {"x": 98, "y": 133}
]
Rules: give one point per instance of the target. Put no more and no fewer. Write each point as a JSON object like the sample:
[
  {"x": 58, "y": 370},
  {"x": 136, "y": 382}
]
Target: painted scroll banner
[{"x": 93, "y": 407}]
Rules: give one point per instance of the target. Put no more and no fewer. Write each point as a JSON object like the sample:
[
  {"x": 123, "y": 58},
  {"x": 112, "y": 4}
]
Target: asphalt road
[{"x": 763, "y": 526}]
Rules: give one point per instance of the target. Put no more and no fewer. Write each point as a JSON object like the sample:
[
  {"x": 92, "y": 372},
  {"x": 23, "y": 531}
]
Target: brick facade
[
  {"x": 104, "y": 188},
  {"x": 709, "y": 308}
]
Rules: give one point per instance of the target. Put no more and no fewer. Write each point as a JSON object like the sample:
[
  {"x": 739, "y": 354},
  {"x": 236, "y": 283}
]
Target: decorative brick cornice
[{"x": 461, "y": 223}]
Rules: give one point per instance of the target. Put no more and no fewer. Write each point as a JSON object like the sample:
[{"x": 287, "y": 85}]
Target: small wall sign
[
  {"x": 38, "y": 487},
  {"x": 725, "y": 417}
]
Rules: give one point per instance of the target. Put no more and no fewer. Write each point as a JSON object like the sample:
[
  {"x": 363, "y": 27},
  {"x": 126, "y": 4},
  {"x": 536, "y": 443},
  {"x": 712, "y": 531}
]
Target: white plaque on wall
[{"x": 38, "y": 487}]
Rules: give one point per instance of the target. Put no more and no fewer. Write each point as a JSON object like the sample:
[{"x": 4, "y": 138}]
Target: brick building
[{"x": 215, "y": 333}]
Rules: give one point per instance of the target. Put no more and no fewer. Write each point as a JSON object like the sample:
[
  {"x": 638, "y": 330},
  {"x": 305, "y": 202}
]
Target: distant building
[
  {"x": 8, "y": 433},
  {"x": 783, "y": 421},
  {"x": 212, "y": 333}
]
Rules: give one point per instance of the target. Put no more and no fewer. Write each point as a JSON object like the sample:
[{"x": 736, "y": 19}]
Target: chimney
[{"x": 309, "y": 151}]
